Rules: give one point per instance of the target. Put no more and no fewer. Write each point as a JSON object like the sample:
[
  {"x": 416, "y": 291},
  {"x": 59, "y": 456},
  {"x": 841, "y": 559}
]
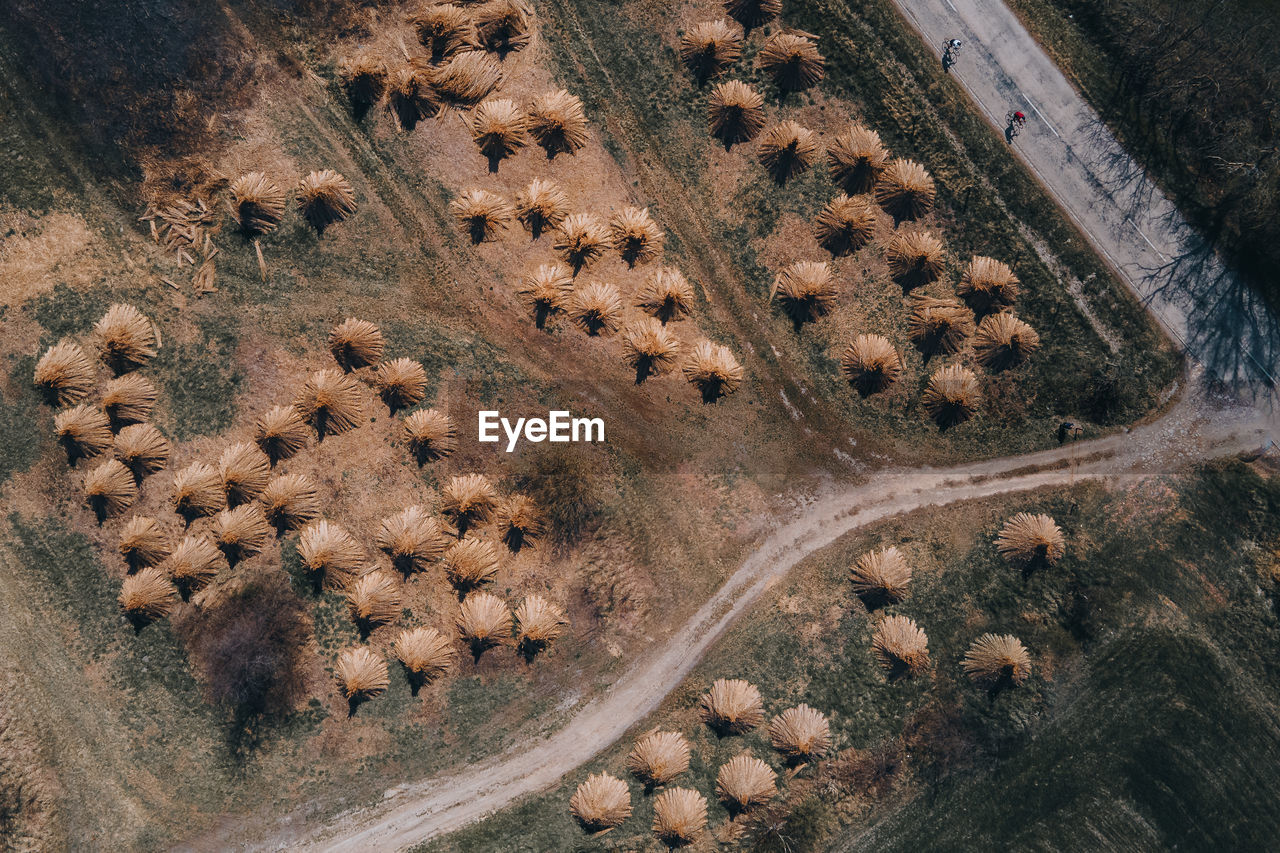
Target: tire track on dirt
[{"x": 1193, "y": 430}]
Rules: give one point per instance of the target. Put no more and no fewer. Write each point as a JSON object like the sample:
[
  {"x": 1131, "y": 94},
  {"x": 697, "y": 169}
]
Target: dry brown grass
[
  {"x": 483, "y": 622},
  {"x": 901, "y": 647},
  {"x": 257, "y": 203},
  {"x": 787, "y": 150},
  {"x": 364, "y": 78},
  {"x": 939, "y": 326},
  {"x": 426, "y": 654},
  {"x": 499, "y": 129},
  {"x": 244, "y": 470},
  {"x": 241, "y": 533},
  {"x": 541, "y": 206},
  {"x": 846, "y": 224},
  {"x": 988, "y": 285},
  {"x": 518, "y": 522},
  {"x": 905, "y": 190},
  {"x": 194, "y": 564},
  {"x": 412, "y": 95},
  {"x": 731, "y": 707},
  {"x": 147, "y": 596},
  {"x": 580, "y": 239},
  {"x": 996, "y": 660},
  {"x": 1030, "y": 541},
  {"x": 806, "y": 290},
  {"x": 401, "y": 383},
  {"x": 411, "y": 539},
  {"x": 666, "y": 295},
  {"x": 483, "y": 215},
  {"x": 361, "y": 675},
  {"x": 753, "y": 13},
  {"x": 109, "y": 489},
  {"x": 329, "y": 554},
  {"x": 502, "y": 26},
  {"x": 649, "y": 348},
  {"x": 547, "y": 291},
  {"x": 881, "y": 577},
  {"x": 745, "y": 782},
  {"x": 444, "y": 30},
  {"x": 470, "y": 563},
  {"x": 710, "y": 47},
  {"x": 800, "y": 733},
  {"x": 356, "y": 343},
  {"x": 601, "y": 802},
  {"x": 431, "y": 435},
  {"x": 197, "y": 492},
  {"x": 712, "y": 369},
  {"x": 290, "y": 501},
  {"x": 658, "y": 758},
  {"x": 952, "y": 396},
  {"x": 557, "y": 122},
  {"x": 539, "y": 623},
  {"x": 916, "y": 257},
  {"x": 83, "y": 432},
  {"x": 467, "y": 500},
  {"x": 679, "y": 816},
  {"x": 143, "y": 449},
  {"x": 467, "y": 78},
  {"x": 129, "y": 399},
  {"x": 792, "y": 60},
  {"x": 871, "y": 364},
  {"x": 331, "y": 402},
  {"x": 596, "y": 308},
  {"x": 325, "y": 198},
  {"x": 373, "y": 600},
  {"x": 1003, "y": 341},
  {"x": 856, "y": 158},
  {"x": 281, "y": 433},
  {"x": 143, "y": 543},
  {"x": 126, "y": 338},
  {"x": 64, "y": 374},
  {"x": 636, "y": 237},
  {"x": 735, "y": 113}
]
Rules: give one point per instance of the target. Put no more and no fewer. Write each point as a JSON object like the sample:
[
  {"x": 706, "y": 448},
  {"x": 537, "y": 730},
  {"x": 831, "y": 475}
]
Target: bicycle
[
  {"x": 1014, "y": 120},
  {"x": 950, "y": 54}
]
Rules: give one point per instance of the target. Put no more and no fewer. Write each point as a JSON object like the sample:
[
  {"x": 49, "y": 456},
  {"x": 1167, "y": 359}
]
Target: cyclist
[
  {"x": 949, "y": 55},
  {"x": 1015, "y": 119}
]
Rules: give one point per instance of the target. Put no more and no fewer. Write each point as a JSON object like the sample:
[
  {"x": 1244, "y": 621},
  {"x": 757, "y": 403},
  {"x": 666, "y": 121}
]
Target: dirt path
[
  {"x": 1195, "y": 429},
  {"x": 1137, "y": 231},
  {"x": 1216, "y": 319}
]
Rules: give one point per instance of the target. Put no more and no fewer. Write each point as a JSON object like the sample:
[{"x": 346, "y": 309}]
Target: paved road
[{"x": 1219, "y": 323}]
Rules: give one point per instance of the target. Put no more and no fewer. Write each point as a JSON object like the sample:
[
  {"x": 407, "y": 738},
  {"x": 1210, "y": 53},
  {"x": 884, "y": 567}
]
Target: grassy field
[
  {"x": 1149, "y": 721},
  {"x": 878, "y": 73},
  {"x": 666, "y": 510}
]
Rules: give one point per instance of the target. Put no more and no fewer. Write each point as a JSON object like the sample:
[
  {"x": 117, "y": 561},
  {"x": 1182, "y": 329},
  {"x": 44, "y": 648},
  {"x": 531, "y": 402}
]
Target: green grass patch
[{"x": 1153, "y": 683}]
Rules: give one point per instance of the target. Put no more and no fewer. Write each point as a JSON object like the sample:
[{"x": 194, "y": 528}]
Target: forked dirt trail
[{"x": 1195, "y": 429}]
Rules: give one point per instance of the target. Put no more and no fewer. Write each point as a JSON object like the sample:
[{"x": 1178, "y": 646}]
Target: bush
[
  {"x": 561, "y": 484},
  {"x": 247, "y": 647}
]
